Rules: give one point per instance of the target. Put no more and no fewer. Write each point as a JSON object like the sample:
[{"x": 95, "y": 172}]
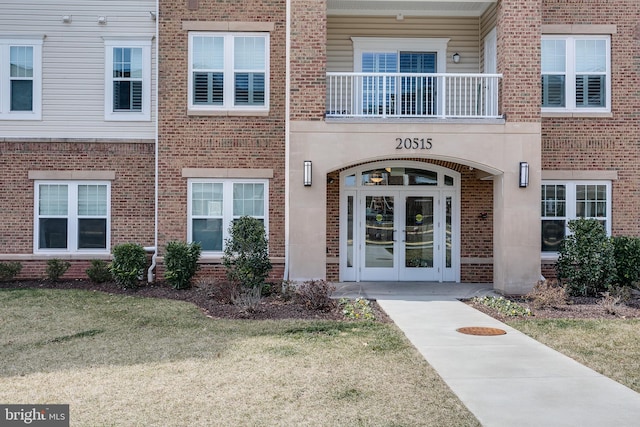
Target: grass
[
  {"x": 610, "y": 347},
  {"x": 120, "y": 360}
]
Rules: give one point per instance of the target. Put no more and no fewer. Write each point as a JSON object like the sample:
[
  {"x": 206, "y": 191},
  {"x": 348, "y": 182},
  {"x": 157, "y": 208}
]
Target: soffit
[{"x": 408, "y": 8}]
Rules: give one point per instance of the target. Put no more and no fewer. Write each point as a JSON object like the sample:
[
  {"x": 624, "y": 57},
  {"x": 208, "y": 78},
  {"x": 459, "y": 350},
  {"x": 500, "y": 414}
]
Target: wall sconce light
[
  {"x": 153, "y": 15},
  {"x": 66, "y": 19},
  {"x": 524, "y": 174},
  {"x": 307, "y": 173},
  {"x": 102, "y": 20},
  {"x": 456, "y": 57},
  {"x": 399, "y": 17}
]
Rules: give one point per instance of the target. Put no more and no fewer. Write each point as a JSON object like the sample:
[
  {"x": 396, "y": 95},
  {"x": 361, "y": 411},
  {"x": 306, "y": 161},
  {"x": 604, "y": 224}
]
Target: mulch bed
[
  {"x": 577, "y": 308},
  {"x": 205, "y": 296},
  {"x": 274, "y": 307}
]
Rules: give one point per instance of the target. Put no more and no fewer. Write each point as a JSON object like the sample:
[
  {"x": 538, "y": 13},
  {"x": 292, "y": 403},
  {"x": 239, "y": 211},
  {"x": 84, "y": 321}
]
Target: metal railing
[{"x": 436, "y": 95}]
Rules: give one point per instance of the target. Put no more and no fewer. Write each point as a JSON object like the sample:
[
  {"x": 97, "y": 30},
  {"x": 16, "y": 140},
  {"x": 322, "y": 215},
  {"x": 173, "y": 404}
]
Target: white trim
[
  {"x": 6, "y": 43},
  {"x": 72, "y": 218},
  {"x": 387, "y": 44},
  {"x": 570, "y": 206},
  {"x": 570, "y": 73},
  {"x": 227, "y": 206},
  {"x": 121, "y": 42},
  {"x": 228, "y": 70}
]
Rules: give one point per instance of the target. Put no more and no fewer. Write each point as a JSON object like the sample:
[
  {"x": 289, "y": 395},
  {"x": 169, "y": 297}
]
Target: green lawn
[
  {"x": 129, "y": 361},
  {"x": 610, "y": 347}
]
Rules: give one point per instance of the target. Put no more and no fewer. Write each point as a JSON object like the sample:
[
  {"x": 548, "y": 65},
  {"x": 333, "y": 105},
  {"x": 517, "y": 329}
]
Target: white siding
[
  {"x": 462, "y": 32},
  {"x": 73, "y": 59}
]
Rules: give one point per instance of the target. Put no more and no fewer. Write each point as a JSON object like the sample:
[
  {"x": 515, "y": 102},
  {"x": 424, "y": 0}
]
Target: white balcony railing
[{"x": 412, "y": 95}]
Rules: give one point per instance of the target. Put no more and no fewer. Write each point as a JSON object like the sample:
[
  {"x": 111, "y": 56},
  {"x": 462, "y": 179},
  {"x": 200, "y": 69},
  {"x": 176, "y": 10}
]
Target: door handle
[{"x": 393, "y": 235}]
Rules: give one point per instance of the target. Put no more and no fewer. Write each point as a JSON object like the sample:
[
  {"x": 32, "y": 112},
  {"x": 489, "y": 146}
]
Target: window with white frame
[
  {"x": 128, "y": 80},
  {"x": 228, "y": 71},
  {"x": 72, "y": 216},
  {"x": 576, "y": 73},
  {"x": 214, "y": 204},
  {"x": 20, "y": 79},
  {"x": 563, "y": 201}
]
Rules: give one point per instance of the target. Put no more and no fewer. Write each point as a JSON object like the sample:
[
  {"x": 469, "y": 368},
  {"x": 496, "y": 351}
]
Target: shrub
[
  {"x": 315, "y": 295},
  {"x": 129, "y": 261},
  {"x": 547, "y": 293},
  {"x": 246, "y": 256},
  {"x": 586, "y": 262},
  {"x": 248, "y": 298},
  {"x": 503, "y": 306},
  {"x": 610, "y": 303},
  {"x": 99, "y": 271},
  {"x": 181, "y": 263},
  {"x": 358, "y": 309},
  {"x": 56, "y": 269},
  {"x": 627, "y": 256},
  {"x": 9, "y": 270}
]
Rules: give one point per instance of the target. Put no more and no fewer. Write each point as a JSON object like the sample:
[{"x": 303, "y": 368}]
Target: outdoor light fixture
[
  {"x": 102, "y": 20},
  {"x": 153, "y": 15},
  {"x": 307, "y": 173},
  {"x": 524, "y": 174},
  {"x": 399, "y": 17},
  {"x": 456, "y": 57},
  {"x": 66, "y": 19}
]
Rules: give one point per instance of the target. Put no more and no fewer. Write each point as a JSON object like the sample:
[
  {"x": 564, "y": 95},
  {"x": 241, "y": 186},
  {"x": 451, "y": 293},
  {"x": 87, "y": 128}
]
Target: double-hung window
[
  {"x": 214, "y": 204},
  {"x": 128, "y": 80},
  {"x": 20, "y": 79},
  {"x": 72, "y": 216},
  {"x": 228, "y": 71},
  {"x": 562, "y": 201},
  {"x": 576, "y": 73}
]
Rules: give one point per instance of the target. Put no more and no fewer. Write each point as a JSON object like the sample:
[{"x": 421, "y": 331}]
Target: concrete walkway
[{"x": 506, "y": 380}]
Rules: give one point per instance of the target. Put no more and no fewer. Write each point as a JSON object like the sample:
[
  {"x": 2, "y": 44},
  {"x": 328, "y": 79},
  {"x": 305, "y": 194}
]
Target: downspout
[
  {"x": 154, "y": 248},
  {"x": 287, "y": 142}
]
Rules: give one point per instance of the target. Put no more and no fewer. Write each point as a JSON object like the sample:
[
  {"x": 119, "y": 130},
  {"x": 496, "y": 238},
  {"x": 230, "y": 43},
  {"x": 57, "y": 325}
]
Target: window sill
[
  {"x": 580, "y": 115},
  {"x": 229, "y": 113}
]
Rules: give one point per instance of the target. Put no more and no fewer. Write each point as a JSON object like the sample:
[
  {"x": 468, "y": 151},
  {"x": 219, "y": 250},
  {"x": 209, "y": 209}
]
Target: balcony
[{"x": 413, "y": 95}]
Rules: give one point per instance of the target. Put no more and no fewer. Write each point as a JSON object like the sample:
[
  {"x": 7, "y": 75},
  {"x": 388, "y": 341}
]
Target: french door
[{"x": 402, "y": 235}]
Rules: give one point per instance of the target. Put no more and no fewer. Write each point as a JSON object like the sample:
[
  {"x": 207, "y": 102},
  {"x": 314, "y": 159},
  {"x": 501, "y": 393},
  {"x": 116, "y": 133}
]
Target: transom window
[
  {"x": 564, "y": 201},
  {"x": 72, "y": 216},
  {"x": 20, "y": 79},
  {"x": 214, "y": 204},
  {"x": 576, "y": 73},
  {"x": 228, "y": 71},
  {"x": 128, "y": 80}
]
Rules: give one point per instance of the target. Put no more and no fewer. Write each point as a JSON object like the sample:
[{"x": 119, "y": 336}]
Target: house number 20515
[{"x": 414, "y": 143}]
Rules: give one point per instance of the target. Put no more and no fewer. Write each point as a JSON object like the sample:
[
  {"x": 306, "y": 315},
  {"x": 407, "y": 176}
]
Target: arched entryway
[{"x": 400, "y": 221}]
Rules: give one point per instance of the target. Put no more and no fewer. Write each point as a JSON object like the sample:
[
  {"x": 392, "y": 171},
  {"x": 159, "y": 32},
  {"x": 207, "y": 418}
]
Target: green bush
[
  {"x": 246, "y": 256},
  {"x": 503, "y": 305},
  {"x": 56, "y": 269},
  {"x": 129, "y": 261},
  {"x": 587, "y": 263},
  {"x": 99, "y": 271},
  {"x": 181, "y": 263},
  {"x": 627, "y": 256},
  {"x": 9, "y": 270}
]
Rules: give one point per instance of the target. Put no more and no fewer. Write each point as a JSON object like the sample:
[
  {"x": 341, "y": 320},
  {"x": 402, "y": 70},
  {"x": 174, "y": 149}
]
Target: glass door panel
[
  {"x": 419, "y": 232},
  {"x": 379, "y": 232}
]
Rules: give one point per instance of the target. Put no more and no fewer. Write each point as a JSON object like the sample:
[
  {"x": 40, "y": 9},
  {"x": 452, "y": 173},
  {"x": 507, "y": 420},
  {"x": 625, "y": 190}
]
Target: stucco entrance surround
[{"x": 494, "y": 150}]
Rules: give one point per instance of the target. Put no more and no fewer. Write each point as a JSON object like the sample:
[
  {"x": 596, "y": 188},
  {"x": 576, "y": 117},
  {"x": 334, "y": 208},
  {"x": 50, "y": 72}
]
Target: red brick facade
[
  {"x": 206, "y": 141},
  {"x": 132, "y": 195},
  {"x": 603, "y": 143}
]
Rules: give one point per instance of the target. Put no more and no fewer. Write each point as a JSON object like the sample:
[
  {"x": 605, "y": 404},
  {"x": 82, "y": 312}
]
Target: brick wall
[
  {"x": 518, "y": 33},
  {"x": 584, "y": 143},
  {"x": 217, "y": 141},
  {"x": 132, "y": 191},
  {"x": 308, "y": 59}
]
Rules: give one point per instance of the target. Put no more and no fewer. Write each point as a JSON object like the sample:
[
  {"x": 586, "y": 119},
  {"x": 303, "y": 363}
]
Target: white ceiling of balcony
[{"x": 408, "y": 7}]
